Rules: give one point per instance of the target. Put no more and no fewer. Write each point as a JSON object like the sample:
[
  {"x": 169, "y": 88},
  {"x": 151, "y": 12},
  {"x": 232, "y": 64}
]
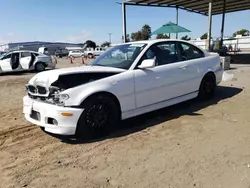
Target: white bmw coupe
[{"x": 88, "y": 101}]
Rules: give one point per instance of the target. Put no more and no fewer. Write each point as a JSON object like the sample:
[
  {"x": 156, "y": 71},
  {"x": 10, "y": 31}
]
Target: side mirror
[{"x": 147, "y": 63}]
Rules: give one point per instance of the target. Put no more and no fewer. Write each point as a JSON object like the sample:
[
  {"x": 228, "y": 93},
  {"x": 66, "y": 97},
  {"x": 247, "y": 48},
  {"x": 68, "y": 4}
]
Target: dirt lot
[{"x": 193, "y": 144}]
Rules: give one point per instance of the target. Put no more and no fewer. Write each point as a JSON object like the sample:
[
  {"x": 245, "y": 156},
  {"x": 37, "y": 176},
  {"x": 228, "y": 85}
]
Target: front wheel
[
  {"x": 207, "y": 87},
  {"x": 100, "y": 116}
]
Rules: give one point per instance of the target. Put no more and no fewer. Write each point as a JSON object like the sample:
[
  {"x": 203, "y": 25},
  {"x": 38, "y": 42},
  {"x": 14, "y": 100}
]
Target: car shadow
[
  {"x": 18, "y": 73},
  {"x": 150, "y": 119}
]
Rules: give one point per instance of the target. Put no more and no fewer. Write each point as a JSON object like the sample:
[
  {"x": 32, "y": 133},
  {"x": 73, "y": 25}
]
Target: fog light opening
[{"x": 52, "y": 121}]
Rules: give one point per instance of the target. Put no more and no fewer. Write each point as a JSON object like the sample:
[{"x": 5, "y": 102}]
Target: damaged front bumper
[{"x": 55, "y": 119}]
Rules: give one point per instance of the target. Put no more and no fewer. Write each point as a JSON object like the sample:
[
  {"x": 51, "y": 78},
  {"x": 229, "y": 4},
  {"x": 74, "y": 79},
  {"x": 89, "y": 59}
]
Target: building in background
[{"x": 35, "y": 45}]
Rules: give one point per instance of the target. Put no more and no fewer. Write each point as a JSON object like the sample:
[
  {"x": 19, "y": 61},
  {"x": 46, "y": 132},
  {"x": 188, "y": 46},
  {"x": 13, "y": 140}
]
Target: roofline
[
  {"x": 165, "y": 6},
  {"x": 11, "y": 51},
  {"x": 195, "y": 6}
]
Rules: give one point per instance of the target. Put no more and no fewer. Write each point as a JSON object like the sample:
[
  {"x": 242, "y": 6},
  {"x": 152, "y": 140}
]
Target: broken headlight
[{"x": 60, "y": 98}]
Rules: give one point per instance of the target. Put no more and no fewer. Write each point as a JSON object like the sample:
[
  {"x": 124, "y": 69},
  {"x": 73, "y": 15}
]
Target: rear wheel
[
  {"x": 100, "y": 116},
  {"x": 39, "y": 67},
  {"x": 207, "y": 87}
]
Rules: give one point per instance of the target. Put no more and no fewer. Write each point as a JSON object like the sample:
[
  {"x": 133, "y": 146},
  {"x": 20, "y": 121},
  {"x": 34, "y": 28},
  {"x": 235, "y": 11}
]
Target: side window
[
  {"x": 189, "y": 51},
  {"x": 7, "y": 57},
  {"x": 164, "y": 53},
  {"x": 25, "y": 54},
  {"x": 36, "y": 54}
]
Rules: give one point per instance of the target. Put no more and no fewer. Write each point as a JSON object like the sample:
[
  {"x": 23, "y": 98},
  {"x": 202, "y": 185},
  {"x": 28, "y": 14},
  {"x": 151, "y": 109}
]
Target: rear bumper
[
  {"x": 218, "y": 74},
  {"x": 45, "y": 115}
]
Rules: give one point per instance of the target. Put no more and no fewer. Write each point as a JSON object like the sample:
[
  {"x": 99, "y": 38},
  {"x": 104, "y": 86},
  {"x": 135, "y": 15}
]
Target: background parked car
[
  {"x": 61, "y": 53},
  {"x": 76, "y": 53},
  {"x": 90, "y": 52},
  {"x": 25, "y": 60}
]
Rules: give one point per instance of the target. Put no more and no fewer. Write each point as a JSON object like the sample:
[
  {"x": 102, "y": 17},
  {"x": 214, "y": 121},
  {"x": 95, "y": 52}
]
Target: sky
[{"x": 79, "y": 20}]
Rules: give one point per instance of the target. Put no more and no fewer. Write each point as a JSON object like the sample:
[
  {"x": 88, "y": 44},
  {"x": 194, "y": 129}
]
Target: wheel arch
[
  {"x": 103, "y": 93},
  {"x": 209, "y": 73},
  {"x": 38, "y": 61}
]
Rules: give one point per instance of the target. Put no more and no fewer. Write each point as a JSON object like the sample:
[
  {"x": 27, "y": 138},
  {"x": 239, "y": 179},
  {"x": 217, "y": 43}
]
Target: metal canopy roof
[{"x": 197, "y": 6}]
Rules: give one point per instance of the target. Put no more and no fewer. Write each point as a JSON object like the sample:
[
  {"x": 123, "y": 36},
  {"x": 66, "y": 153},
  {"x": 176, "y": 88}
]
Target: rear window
[
  {"x": 36, "y": 54},
  {"x": 25, "y": 54}
]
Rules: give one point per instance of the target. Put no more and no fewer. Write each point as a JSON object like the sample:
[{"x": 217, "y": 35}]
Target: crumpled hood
[{"x": 46, "y": 78}]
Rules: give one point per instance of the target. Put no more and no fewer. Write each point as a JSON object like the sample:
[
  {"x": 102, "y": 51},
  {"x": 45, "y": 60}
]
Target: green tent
[{"x": 170, "y": 27}]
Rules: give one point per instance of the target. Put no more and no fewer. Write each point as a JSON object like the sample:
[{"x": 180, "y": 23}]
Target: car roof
[
  {"x": 18, "y": 51},
  {"x": 150, "y": 42},
  {"x": 155, "y": 41}
]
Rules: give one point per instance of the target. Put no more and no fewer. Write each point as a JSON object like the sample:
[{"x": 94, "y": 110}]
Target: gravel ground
[{"x": 192, "y": 144}]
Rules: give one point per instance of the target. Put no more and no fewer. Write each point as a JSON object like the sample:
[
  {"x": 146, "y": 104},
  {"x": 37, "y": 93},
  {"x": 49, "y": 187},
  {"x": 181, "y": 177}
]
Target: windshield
[
  {"x": 121, "y": 56},
  {"x": 2, "y": 54}
]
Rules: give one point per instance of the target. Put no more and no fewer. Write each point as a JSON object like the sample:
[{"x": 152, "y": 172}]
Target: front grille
[
  {"x": 41, "y": 90},
  {"x": 32, "y": 89}
]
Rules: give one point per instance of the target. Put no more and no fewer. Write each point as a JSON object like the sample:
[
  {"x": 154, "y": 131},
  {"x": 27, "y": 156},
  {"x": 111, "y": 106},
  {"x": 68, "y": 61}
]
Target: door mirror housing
[{"x": 147, "y": 63}]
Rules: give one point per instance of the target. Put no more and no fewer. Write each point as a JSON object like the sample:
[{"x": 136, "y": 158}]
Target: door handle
[
  {"x": 157, "y": 78},
  {"x": 183, "y": 67}
]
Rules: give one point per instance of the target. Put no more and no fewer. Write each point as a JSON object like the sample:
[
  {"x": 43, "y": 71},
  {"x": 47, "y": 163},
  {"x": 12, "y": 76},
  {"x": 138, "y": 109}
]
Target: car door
[
  {"x": 25, "y": 59},
  {"x": 5, "y": 63},
  {"x": 162, "y": 82},
  {"x": 191, "y": 66}
]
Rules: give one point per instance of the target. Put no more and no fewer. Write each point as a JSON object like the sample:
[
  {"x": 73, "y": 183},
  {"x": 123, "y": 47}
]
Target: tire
[
  {"x": 207, "y": 87},
  {"x": 100, "y": 116},
  {"x": 39, "y": 67}
]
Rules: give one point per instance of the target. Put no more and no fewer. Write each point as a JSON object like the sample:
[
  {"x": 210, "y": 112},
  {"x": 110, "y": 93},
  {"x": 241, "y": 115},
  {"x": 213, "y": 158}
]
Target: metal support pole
[
  {"x": 177, "y": 19},
  {"x": 110, "y": 37},
  {"x": 222, "y": 24},
  {"x": 209, "y": 25},
  {"x": 124, "y": 24}
]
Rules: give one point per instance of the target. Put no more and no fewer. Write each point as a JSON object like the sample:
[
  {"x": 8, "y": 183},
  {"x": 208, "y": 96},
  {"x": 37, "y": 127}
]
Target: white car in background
[
  {"x": 90, "y": 52},
  {"x": 25, "y": 60},
  {"x": 88, "y": 101},
  {"x": 75, "y": 53}
]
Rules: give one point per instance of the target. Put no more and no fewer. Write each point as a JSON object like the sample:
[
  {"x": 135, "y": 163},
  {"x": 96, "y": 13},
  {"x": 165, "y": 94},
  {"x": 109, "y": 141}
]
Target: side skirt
[{"x": 153, "y": 107}]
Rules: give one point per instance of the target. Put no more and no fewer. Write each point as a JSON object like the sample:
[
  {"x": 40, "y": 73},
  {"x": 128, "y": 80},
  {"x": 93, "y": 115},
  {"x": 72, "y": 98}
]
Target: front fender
[{"x": 120, "y": 86}]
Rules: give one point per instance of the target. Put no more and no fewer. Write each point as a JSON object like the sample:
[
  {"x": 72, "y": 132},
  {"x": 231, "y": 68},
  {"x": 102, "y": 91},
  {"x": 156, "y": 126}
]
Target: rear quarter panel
[{"x": 213, "y": 63}]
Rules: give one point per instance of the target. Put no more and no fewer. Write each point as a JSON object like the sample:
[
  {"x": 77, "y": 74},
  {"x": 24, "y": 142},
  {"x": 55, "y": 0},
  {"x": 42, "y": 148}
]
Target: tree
[
  {"x": 136, "y": 36},
  {"x": 243, "y": 32},
  {"x": 90, "y": 44},
  {"x": 162, "y": 36},
  {"x": 143, "y": 34},
  {"x": 105, "y": 44},
  {"x": 185, "y": 38},
  {"x": 204, "y": 36},
  {"x": 146, "y": 32}
]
